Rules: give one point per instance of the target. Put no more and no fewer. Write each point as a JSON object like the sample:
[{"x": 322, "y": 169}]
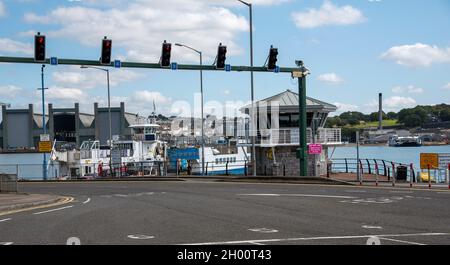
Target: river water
[{"x": 404, "y": 155}]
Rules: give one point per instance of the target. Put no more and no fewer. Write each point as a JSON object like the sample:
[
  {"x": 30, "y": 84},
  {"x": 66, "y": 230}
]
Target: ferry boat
[
  {"x": 404, "y": 141},
  {"x": 219, "y": 160}
]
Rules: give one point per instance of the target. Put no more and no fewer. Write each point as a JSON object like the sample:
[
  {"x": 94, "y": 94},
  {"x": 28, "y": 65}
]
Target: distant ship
[{"x": 404, "y": 141}]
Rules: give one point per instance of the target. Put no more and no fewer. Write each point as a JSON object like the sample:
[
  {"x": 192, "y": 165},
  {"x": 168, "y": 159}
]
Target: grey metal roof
[
  {"x": 38, "y": 119},
  {"x": 133, "y": 118},
  {"x": 289, "y": 100},
  {"x": 87, "y": 119}
]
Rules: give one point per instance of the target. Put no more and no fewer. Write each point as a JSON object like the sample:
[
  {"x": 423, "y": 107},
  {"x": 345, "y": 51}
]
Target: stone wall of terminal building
[{"x": 285, "y": 162}]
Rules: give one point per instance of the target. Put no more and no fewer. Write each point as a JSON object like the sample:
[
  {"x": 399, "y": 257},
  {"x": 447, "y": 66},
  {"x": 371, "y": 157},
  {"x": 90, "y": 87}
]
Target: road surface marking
[
  {"x": 86, "y": 201},
  {"x": 52, "y": 210},
  {"x": 65, "y": 200},
  {"x": 373, "y": 241},
  {"x": 300, "y": 195},
  {"x": 6, "y": 243},
  {"x": 256, "y": 243},
  {"x": 73, "y": 241},
  {"x": 4, "y": 220},
  {"x": 402, "y": 241},
  {"x": 263, "y": 230},
  {"x": 372, "y": 227},
  {"x": 315, "y": 238},
  {"x": 140, "y": 237}
]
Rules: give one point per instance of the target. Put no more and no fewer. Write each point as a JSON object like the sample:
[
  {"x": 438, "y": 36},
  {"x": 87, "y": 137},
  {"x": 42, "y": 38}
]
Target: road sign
[
  {"x": 431, "y": 159},
  {"x": 117, "y": 63},
  {"x": 228, "y": 67},
  {"x": 174, "y": 66},
  {"x": 444, "y": 160},
  {"x": 314, "y": 149},
  {"x": 45, "y": 146},
  {"x": 44, "y": 137},
  {"x": 54, "y": 61}
]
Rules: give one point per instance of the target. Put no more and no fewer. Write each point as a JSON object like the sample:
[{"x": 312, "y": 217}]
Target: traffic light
[
  {"x": 273, "y": 53},
  {"x": 221, "y": 56},
  {"x": 165, "y": 55},
  {"x": 39, "y": 48},
  {"x": 106, "y": 51}
]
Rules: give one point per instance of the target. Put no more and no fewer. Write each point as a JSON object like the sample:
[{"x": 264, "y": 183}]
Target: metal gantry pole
[
  {"x": 44, "y": 161},
  {"x": 302, "y": 125},
  {"x": 252, "y": 89}
]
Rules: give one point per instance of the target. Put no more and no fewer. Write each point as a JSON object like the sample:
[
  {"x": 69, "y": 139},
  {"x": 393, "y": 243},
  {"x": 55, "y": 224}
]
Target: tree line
[{"x": 409, "y": 118}]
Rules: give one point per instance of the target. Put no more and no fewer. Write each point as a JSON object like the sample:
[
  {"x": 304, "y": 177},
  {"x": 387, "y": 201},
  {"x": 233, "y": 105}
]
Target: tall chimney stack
[{"x": 380, "y": 111}]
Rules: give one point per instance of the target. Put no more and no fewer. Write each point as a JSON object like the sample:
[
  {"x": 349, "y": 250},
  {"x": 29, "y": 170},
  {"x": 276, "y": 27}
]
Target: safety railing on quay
[{"x": 391, "y": 171}]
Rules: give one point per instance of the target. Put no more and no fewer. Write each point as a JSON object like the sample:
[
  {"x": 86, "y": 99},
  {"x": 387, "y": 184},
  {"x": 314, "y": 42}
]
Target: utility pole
[{"x": 44, "y": 127}]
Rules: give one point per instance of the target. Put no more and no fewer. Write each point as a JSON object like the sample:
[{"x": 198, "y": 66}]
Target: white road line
[
  {"x": 372, "y": 227},
  {"x": 4, "y": 220},
  {"x": 6, "y": 243},
  {"x": 402, "y": 241},
  {"x": 301, "y": 195},
  {"x": 86, "y": 201},
  {"x": 256, "y": 243},
  {"x": 57, "y": 209},
  {"x": 315, "y": 238}
]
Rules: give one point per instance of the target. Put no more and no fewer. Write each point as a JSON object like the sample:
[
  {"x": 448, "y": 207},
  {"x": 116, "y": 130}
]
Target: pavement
[{"x": 204, "y": 212}]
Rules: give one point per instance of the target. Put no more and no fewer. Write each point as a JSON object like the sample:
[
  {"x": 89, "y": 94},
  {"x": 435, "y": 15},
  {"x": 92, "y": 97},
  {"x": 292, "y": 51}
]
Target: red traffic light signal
[
  {"x": 39, "y": 48},
  {"x": 106, "y": 51},
  {"x": 221, "y": 56},
  {"x": 165, "y": 54},
  {"x": 273, "y": 53}
]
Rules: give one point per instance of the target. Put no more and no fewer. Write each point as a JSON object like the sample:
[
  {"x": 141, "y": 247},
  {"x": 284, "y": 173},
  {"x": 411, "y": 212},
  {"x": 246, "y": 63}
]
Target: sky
[{"x": 354, "y": 50}]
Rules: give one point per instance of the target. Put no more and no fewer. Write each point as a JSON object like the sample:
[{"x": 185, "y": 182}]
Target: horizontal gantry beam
[{"x": 26, "y": 60}]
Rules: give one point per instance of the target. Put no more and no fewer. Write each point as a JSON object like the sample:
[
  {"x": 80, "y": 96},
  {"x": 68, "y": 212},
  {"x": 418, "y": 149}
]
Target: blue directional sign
[
  {"x": 174, "y": 66},
  {"x": 117, "y": 63},
  {"x": 54, "y": 61},
  {"x": 228, "y": 67},
  {"x": 277, "y": 69}
]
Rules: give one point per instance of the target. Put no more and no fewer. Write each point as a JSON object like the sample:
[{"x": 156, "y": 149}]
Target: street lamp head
[
  {"x": 178, "y": 44},
  {"x": 83, "y": 67}
]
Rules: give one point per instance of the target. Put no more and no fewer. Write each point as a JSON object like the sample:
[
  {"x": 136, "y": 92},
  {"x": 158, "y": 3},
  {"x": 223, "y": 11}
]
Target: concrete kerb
[
  {"x": 102, "y": 180},
  {"x": 27, "y": 205}
]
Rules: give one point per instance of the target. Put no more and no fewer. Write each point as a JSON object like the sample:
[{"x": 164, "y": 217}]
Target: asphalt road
[{"x": 206, "y": 212}]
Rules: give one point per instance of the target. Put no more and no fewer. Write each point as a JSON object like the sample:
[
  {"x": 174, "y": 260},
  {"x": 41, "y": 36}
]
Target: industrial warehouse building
[{"x": 20, "y": 129}]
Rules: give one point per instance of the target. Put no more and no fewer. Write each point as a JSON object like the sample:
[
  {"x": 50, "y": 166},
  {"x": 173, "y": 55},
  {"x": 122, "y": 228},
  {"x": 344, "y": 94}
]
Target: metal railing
[
  {"x": 8, "y": 183},
  {"x": 380, "y": 167},
  {"x": 290, "y": 136}
]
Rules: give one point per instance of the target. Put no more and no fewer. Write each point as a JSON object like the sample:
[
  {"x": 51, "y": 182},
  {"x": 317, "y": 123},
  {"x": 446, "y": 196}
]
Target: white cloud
[
  {"x": 417, "y": 55},
  {"x": 343, "y": 107},
  {"x": 330, "y": 78},
  {"x": 397, "y": 102},
  {"x": 2, "y": 9},
  {"x": 447, "y": 86},
  {"x": 328, "y": 14},
  {"x": 12, "y": 46},
  {"x": 140, "y": 27},
  {"x": 407, "y": 89},
  {"x": 65, "y": 94},
  {"x": 9, "y": 91},
  {"x": 92, "y": 78}
]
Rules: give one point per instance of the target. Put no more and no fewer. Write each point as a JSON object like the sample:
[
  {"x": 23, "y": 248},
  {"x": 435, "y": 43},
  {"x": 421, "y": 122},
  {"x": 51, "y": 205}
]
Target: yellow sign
[
  {"x": 45, "y": 146},
  {"x": 431, "y": 159}
]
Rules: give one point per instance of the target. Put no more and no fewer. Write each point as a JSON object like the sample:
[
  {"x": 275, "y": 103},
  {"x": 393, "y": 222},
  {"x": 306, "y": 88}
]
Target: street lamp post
[
  {"x": 109, "y": 109},
  {"x": 253, "y": 118},
  {"x": 201, "y": 95},
  {"x": 44, "y": 127}
]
